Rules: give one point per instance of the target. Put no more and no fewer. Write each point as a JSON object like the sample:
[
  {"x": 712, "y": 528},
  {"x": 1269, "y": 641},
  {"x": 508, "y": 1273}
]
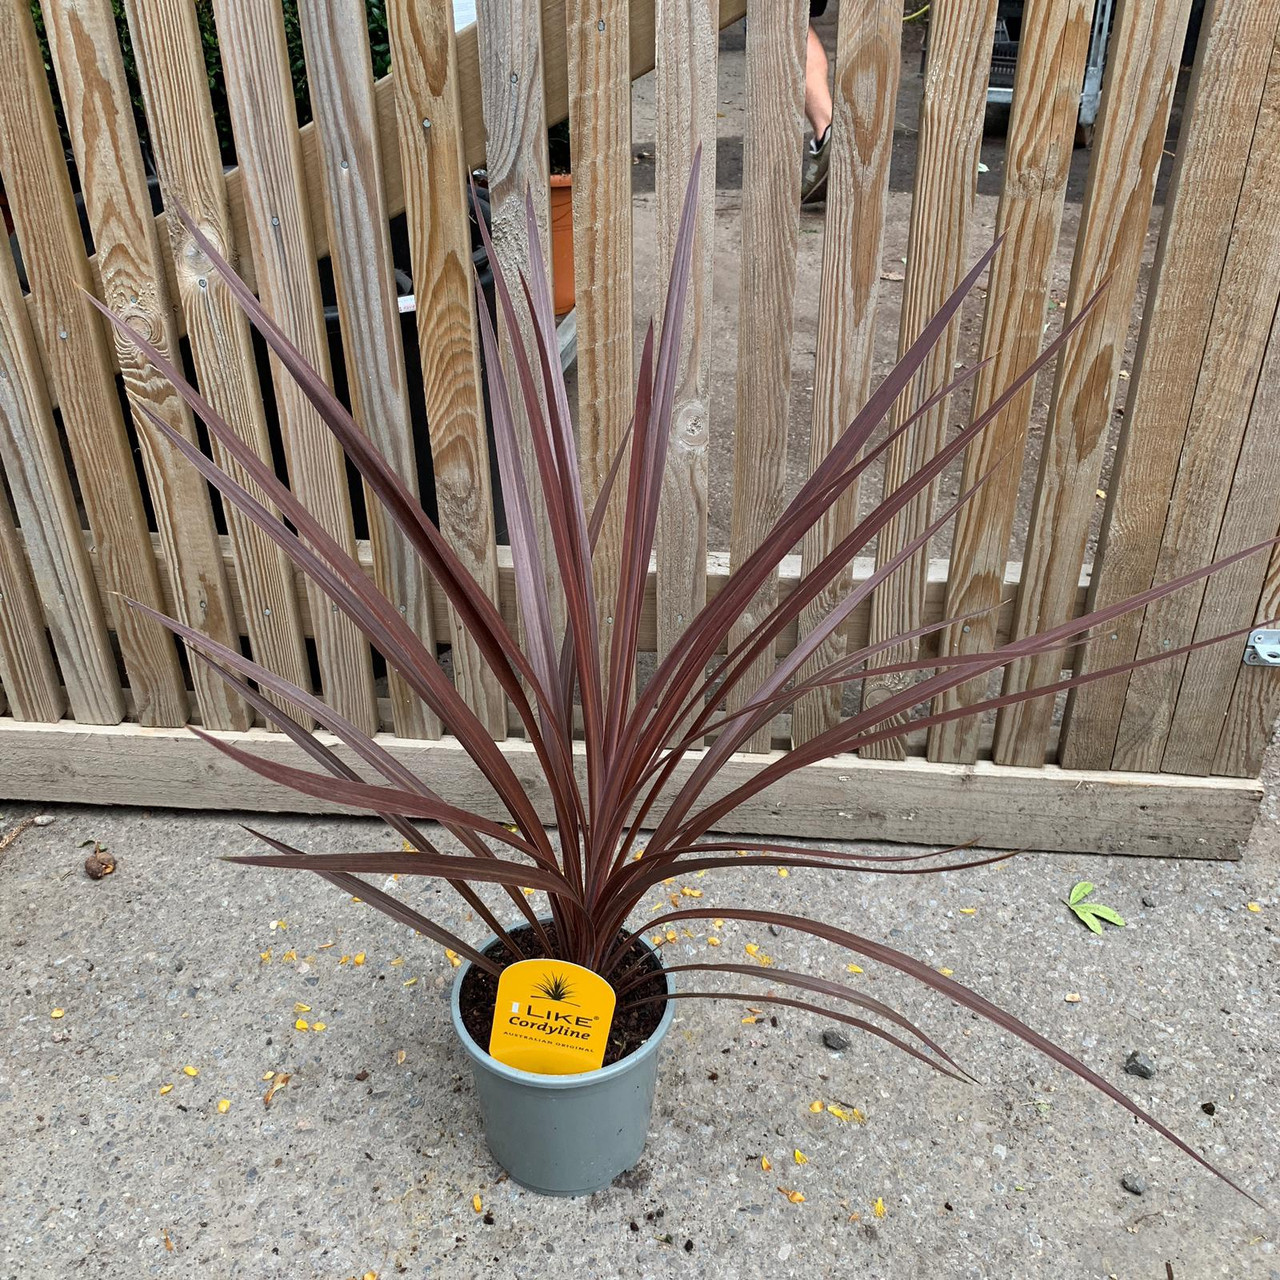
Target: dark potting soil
[{"x": 632, "y": 1026}]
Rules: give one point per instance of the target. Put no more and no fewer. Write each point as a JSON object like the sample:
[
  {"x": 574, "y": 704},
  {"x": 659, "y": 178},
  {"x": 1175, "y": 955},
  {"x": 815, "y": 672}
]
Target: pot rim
[{"x": 581, "y": 1079}]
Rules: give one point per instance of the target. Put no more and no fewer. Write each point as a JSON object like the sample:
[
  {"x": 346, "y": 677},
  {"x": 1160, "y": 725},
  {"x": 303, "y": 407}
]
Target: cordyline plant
[{"x": 621, "y": 779}]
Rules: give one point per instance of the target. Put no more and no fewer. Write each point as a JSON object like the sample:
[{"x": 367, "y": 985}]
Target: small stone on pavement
[
  {"x": 1138, "y": 1064},
  {"x": 1134, "y": 1183},
  {"x": 836, "y": 1040}
]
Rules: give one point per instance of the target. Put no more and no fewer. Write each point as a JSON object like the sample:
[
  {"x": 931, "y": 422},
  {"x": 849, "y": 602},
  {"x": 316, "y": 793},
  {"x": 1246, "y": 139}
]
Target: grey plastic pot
[{"x": 565, "y": 1135}]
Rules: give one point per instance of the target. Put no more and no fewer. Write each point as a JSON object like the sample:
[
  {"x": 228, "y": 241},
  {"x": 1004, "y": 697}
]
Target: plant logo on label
[{"x": 551, "y": 1017}]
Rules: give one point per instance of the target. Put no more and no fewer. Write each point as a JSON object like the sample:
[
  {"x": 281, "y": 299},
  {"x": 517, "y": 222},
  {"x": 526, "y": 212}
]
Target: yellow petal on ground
[
  {"x": 639, "y": 853},
  {"x": 289, "y": 956},
  {"x": 411, "y": 982},
  {"x": 191, "y": 1071},
  {"x": 815, "y": 1107},
  {"x": 454, "y": 958},
  {"x": 878, "y": 1208},
  {"x": 357, "y": 899},
  {"x": 968, "y": 911},
  {"x": 752, "y": 948},
  {"x": 476, "y": 1203},
  {"x": 839, "y": 1112},
  {"x": 713, "y": 942},
  {"x": 669, "y": 880},
  {"x": 319, "y": 1026},
  {"x": 344, "y": 959},
  {"x": 796, "y": 1197},
  {"x": 854, "y": 968},
  {"x": 764, "y": 1163},
  {"x": 268, "y": 1075},
  {"x": 265, "y": 956},
  {"x": 690, "y": 893},
  {"x": 800, "y": 1156},
  {"x": 783, "y": 872},
  {"x": 57, "y": 1013},
  {"x": 1254, "y": 906},
  {"x": 671, "y": 935},
  {"x": 299, "y": 1007},
  {"x": 657, "y": 939},
  {"x": 858, "y": 1117},
  {"x": 165, "y": 1088},
  {"x": 717, "y": 924},
  {"x": 528, "y": 893},
  {"x": 400, "y": 1057},
  {"x": 302, "y": 1025},
  {"x": 946, "y": 973},
  {"x": 674, "y": 899},
  {"x": 700, "y": 874},
  {"x": 370, "y": 1275},
  {"x": 764, "y": 959},
  {"x": 224, "y": 1105},
  {"x": 750, "y": 1018},
  {"x": 397, "y": 962},
  {"x": 358, "y": 958}
]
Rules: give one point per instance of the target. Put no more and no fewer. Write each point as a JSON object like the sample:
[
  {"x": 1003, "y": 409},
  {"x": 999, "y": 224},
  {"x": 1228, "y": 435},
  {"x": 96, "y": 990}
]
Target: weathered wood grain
[
  {"x": 1254, "y": 704},
  {"x": 99, "y": 119},
  {"x": 74, "y": 350},
  {"x": 1145, "y": 49},
  {"x": 424, "y": 67},
  {"x": 1213, "y": 152},
  {"x": 915, "y": 801},
  {"x": 184, "y": 143},
  {"x": 766, "y": 302},
  {"x": 511, "y": 35},
  {"x": 685, "y": 89},
  {"x": 951, "y": 113},
  {"x": 55, "y": 544},
  {"x": 555, "y": 98},
  {"x": 1051, "y": 58},
  {"x": 867, "y": 65},
  {"x": 27, "y": 674},
  {"x": 716, "y": 572},
  {"x": 340, "y": 76},
  {"x": 1228, "y": 476},
  {"x": 598, "y": 59},
  {"x": 255, "y": 62},
  {"x": 1251, "y": 515}
]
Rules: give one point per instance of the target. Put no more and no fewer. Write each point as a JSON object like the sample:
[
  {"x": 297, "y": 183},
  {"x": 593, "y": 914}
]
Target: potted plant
[
  {"x": 559, "y": 158},
  {"x": 640, "y": 766}
]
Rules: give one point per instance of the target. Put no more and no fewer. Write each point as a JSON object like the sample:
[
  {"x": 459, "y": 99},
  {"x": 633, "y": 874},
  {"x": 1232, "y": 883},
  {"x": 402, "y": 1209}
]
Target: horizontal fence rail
[{"x": 1148, "y": 448}]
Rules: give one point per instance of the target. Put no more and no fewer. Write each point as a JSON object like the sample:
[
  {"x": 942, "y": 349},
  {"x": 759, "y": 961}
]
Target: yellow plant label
[{"x": 551, "y": 1017}]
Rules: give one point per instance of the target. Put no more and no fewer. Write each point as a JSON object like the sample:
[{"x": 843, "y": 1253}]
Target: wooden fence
[{"x": 1164, "y": 762}]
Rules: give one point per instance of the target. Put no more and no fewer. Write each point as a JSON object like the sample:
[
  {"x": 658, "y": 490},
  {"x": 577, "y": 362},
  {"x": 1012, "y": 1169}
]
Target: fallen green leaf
[{"x": 1090, "y": 913}]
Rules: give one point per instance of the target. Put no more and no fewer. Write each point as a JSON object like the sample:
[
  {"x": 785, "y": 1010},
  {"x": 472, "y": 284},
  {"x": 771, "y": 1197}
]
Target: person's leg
[
  {"x": 817, "y": 91},
  {"x": 817, "y": 106}
]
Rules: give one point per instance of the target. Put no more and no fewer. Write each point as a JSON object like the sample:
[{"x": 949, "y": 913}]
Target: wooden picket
[
  {"x": 1204, "y": 196},
  {"x": 868, "y": 58},
  {"x": 766, "y": 301},
  {"x": 951, "y": 115},
  {"x": 1046, "y": 103},
  {"x": 94, "y": 700},
  {"x": 1143, "y": 66}
]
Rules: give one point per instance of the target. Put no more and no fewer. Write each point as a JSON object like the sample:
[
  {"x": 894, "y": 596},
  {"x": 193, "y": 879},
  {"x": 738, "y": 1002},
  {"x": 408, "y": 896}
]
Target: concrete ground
[{"x": 117, "y": 1164}]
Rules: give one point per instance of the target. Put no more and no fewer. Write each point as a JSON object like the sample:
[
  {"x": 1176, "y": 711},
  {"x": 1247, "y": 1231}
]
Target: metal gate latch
[{"x": 1263, "y": 649}]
